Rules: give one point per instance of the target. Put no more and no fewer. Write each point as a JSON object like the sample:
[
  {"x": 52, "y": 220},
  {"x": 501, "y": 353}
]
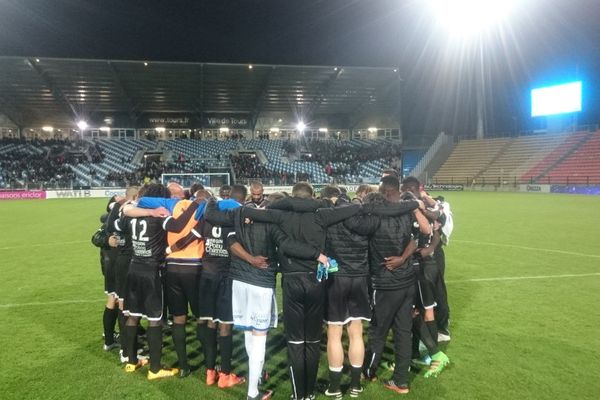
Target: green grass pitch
[{"x": 523, "y": 275}]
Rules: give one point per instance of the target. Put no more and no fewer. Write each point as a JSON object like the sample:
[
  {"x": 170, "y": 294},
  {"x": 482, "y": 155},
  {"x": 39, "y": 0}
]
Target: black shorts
[
  {"x": 121, "y": 270},
  {"x": 108, "y": 260},
  {"x": 181, "y": 288},
  {"x": 214, "y": 293},
  {"x": 144, "y": 297},
  {"x": 347, "y": 299},
  {"x": 425, "y": 286}
]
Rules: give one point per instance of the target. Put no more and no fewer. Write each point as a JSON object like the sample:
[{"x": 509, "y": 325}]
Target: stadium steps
[
  {"x": 496, "y": 157},
  {"x": 576, "y": 143},
  {"x": 581, "y": 166}
]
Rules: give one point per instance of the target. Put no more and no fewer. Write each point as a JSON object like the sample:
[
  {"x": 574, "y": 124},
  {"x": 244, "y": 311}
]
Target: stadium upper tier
[
  {"x": 116, "y": 162},
  {"x": 545, "y": 158}
]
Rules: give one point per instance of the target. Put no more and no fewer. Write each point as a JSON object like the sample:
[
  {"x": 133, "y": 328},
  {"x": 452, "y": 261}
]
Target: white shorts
[{"x": 254, "y": 307}]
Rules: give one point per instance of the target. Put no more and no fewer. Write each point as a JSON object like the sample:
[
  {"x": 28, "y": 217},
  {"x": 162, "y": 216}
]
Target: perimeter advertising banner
[{"x": 22, "y": 195}]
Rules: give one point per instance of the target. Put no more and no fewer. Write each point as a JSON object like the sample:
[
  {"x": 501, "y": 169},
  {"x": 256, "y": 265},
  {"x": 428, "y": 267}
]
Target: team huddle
[{"x": 376, "y": 258}]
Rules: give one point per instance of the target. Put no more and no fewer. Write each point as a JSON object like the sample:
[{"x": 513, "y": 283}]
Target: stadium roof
[{"x": 36, "y": 91}]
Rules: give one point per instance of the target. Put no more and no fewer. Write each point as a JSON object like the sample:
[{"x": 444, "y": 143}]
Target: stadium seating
[
  {"x": 469, "y": 159},
  {"x": 553, "y": 156},
  {"x": 582, "y": 166}
]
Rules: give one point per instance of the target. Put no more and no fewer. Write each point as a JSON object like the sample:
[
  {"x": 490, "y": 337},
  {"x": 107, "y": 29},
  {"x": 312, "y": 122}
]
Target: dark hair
[
  {"x": 157, "y": 190},
  {"x": 302, "y": 190},
  {"x": 195, "y": 187},
  {"x": 374, "y": 198},
  {"x": 238, "y": 192},
  {"x": 225, "y": 190},
  {"x": 411, "y": 183},
  {"x": 389, "y": 184},
  {"x": 330, "y": 191},
  {"x": 390, "y": 172}
]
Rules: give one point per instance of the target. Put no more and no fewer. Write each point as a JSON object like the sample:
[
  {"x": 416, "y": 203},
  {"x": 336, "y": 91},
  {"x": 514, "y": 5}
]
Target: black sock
[
  {"x": 108, "y": 320},
  {"x": 131, "y": 339},
  {"x": 355, "y": 377},
  {"x": 121, "y": 319},
  {"x": 154, "y": 334},
  {"x": 335, "y": 377},
  {"x": 226, "y": 350},
  {"x": 179, "y": 337},
  {"x": 433, "y": 331},
  {"x": 425, "y": 336},
  {"x": 208, "y": 338}
]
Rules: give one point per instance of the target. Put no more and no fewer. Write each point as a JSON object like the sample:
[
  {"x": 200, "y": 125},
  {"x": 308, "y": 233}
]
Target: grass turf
[{"x": 512, "y": 339}]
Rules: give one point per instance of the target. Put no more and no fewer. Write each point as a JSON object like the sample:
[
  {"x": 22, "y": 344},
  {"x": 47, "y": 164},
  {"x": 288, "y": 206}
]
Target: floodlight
[
  {"x": 468, "y": 17},
  {"x": 160, "y": 129},
  {"x": 274, "y": 129},
  {"x": 323, "y": 130},
  {"x": 301, "y": 126},
  {"x": 47, "y": 129},
  {"x": 224, "y": 129},
  {"x": 372, "y": 129},
  {"x": 81, "y": 124},
  {"x": 105, "y": 129}
]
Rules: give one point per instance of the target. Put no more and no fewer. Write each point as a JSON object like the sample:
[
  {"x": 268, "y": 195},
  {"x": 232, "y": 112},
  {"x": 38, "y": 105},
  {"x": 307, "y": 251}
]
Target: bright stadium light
[
  {"x": 470, "y": 17},
  {"x": 82, "y": 124},
  {"x": 105, "y": 129},
  {"x": 301, "y": 126},
  {"x": 323, "y": 130},
  {"x": 160, "y": 129},
  {"x": 47, "y": 129}
]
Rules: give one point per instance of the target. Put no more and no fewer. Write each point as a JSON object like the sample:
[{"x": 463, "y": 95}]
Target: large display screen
[{"x": 557, "y": 99}]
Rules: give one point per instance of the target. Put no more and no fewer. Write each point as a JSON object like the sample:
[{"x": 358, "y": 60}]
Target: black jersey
[
  {"x": 148, "y": 237},
  {"x": 216, "y": 255},
  {"x": 123, "y": 240}
]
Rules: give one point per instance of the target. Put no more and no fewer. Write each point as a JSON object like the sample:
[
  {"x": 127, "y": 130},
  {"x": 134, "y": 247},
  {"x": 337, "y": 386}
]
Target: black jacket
[
  {"x": 388, "y": 236},
  {"x": 258, "y": 239},
  {"x": 304, "y": 220},
  {"x": 348, "y": 243}
]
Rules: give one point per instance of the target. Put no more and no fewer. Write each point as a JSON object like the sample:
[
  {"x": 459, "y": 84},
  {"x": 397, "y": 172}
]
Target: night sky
[{"x": 549, "y": 41}]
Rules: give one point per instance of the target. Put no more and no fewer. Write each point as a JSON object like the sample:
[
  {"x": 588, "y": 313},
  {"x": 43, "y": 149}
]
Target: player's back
[{"x": 148, "y": 238}]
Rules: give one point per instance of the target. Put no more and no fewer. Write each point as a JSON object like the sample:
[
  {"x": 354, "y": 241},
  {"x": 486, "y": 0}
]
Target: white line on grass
[
  {"x": 49, "y": 303},
  {"x": 506, "y": 278},
  {"x": 518, "y": 278},
  {"x": 42, "y": 244},
  {"x": 570, "y": 253}
]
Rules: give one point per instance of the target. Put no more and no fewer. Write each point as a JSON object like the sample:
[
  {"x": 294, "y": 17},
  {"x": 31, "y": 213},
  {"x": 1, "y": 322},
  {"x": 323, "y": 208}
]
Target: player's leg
[
  {"x": 224, "y": 315},
  {"x": 110, "y": 315},
  {"x": 261, "y": 316},
  {"x": 336, "y": 314},
  {"x": 442, "y": 311},
  {"x": 314, "y": 301},
  {"x": 153, "y": 295},
  {"x": 207, "y": 329},
  {"x": 177, "y": 280},
  {"x": 293, "y": 316},
  {"x": 402, "y": 327},
  {"x": 384, "y": 303},
  {"x": 356, "y": 355},
  {"x": 359, "y": 308}
]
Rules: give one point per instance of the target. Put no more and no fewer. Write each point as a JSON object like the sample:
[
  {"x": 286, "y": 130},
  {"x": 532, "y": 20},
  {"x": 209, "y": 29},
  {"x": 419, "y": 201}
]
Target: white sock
[
  {"x": 248, "y": 342},
  {"x": 255, "y": 363}
]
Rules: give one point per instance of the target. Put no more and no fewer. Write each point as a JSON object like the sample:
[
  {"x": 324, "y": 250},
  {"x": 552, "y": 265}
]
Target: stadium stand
[
  {"x": 582, "y": 166},
  {"x": 469, "y": 159}
]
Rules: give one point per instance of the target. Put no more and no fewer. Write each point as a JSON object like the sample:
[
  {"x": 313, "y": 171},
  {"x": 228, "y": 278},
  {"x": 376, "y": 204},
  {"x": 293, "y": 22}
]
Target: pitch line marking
[
  {"x": 50, "y": 303},
  {"x": 518, "y": 278},
  {"x": 42, "y": 244},
  {"x": 570, "y": 253},
  {"x": 506, "y": 278}
]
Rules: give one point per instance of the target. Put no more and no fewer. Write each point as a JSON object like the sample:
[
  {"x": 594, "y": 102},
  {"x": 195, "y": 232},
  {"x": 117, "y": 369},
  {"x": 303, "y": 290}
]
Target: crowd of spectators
[{"x": 248, "y": 167}]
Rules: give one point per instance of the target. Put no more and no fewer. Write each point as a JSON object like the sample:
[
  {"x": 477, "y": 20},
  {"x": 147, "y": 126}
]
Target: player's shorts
[
  {"x": 181, "y": 287},
  {"x": 144, "y": 297},
  {"x": 121, "y": 270},
  {"x": 214, "y": 293},
  {"x": 347, "y": 299},
  {"x": 108, "y": 260},
  {"x": 254, "y": 307},
  {"x": 425, "y": 287}
]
